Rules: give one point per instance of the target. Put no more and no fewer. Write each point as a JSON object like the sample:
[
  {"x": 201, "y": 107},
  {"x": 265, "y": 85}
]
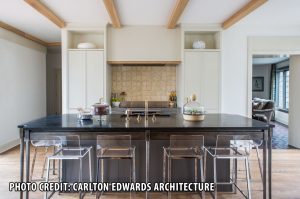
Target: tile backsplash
[{"x": 144, "y": 82}]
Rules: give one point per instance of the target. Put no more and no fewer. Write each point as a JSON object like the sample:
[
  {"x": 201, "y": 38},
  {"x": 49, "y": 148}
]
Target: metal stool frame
[
  {"x": 239, "y": 149},
  {"x": 114, "y": 143},
  {"x": 58, "y": 155},
  {"x": 184, "y": 144}
]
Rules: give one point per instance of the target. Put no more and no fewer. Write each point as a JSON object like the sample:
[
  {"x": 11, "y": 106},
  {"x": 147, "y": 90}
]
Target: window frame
[{"x": 277, "y": 73}]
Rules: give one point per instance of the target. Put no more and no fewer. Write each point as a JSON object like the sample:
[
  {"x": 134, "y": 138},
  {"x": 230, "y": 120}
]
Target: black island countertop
[
  {"x": 117, "y": 122},
  {"x": 149, "y": 137}
]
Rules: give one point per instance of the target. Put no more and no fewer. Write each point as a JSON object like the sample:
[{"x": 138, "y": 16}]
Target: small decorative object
[
  {"x": 258, "y": 84},
  {"x": 172, "y": 99},
  {"x": 123, "y": 96},
  {"x": 101, "y": 108},
  {"x": 192, "y": 110},
  {"x": 86, "y": 46},
  {"x": 198, "y": 44},
  {"x": 115, "y": 102},
  {"x": 84, "y": 114}
]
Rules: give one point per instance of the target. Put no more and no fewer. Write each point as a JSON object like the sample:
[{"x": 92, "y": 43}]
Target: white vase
[
  {"x": 198, "y": 44},
  {"x": 116, "y": 104}
]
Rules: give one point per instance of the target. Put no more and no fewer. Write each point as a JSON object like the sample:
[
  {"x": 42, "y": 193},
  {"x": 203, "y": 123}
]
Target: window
[{"x": 282, "y": 89}]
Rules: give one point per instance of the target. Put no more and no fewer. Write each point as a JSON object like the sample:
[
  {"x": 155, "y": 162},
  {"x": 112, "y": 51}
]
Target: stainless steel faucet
[{"x": 127, "y": 112}]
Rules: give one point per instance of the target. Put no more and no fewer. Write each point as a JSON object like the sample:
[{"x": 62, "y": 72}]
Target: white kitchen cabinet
[
  {"x": 85, "y": 78},
  {"x": 202, "y": 77}
]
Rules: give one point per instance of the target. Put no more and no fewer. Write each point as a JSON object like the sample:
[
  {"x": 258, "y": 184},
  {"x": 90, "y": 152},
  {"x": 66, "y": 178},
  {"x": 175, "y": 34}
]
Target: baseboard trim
[
  {"x": 9, "y": 145},
  {"x": 282, "y": 124}
]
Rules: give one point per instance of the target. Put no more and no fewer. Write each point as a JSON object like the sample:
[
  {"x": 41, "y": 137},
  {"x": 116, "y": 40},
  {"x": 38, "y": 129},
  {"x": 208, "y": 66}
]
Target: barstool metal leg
[
  {"x": 259, "y": 162},
  {"x": 164, "y": 166},
  {"x": 59, "y": 173},
  {"x": 102, "y": 170},
  {"x": 90, "y": 165},
  {"x": 204, "y": 168},
  {"x": 169, "y": 169},
  {"x": 133, "y": 169},
  {"x": 43, "y": 169},
  {"x": 215, "y": 178},
  {"x": 234, "y": 172},
  {"x": 47, "y": 176},
  {"x": 202, "y": 176},
  {"x": 33, "y": 163},
  {"x": 53, "y": 162},
  {"x": 169, "y": 174},
  {"x": 196, "y": 170},
  {"x": 133, "y": 174},
  {"x": 248, "y": 177},
  {"x": 130, "y": 171},
  {"x": 80, "y": 175},
  {"x": 97, "y": 175}
]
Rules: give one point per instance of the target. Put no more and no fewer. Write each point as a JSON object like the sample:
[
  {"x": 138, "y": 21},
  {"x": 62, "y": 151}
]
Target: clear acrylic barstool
[
  {"x": 184, "y": 147},
  {"x": 71, "y": 150},
  {"x": 231, "y": 147},
  {"x": 45, "y": 144},
  {"x": 114, "y": 147}
]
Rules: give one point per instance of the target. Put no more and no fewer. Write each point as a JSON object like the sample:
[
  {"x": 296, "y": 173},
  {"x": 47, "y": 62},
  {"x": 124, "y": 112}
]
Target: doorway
[
  {"x": 270, "y": 94},
  {"x": 54, "y": 81}
]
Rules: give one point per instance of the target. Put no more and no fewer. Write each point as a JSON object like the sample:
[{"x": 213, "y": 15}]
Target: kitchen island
[{"x": 149, "y": 136}]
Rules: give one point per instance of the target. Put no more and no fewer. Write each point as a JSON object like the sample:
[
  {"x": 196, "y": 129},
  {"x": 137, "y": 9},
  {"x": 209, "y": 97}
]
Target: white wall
[
  {"x": 294, "y": 110},
  {"x": 262, "y": 71},
  {"x": 22, "y": 85},
  {"x": 235, "y": 62}
]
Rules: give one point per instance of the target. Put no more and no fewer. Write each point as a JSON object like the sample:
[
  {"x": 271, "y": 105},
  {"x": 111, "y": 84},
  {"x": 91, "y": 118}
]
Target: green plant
[{"x": 115, "y": 99}]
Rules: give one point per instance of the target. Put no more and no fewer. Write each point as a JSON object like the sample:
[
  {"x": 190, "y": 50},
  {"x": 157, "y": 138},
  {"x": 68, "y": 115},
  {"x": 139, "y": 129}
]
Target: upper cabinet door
[
  {"x": 201, "y": 77},
  {"x": 211, "y": 77},
  {"x": 76, "y": 79},
  {"x": 94, "y": 77},
  {"x": 193, "y": 69}
]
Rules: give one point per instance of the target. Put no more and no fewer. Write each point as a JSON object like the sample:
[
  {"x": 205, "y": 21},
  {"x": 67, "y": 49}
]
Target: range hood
[{"x": 143, "y": 45}]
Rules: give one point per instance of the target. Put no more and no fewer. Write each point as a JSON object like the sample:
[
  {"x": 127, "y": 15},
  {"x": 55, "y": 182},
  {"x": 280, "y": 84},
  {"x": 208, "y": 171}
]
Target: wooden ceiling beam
[
  {"x": 28, "y": 36},
  {"x": 176, "y": 13},
  {"x": 244, "y": 11},
  {"x": 22, "y": 34},
  {"x": 112, "y": 12},
  {"x": 50, "y": 44},
  {"x": 44, "y": 10}
]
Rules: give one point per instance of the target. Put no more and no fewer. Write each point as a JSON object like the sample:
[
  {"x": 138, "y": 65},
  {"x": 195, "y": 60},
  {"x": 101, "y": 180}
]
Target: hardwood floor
[{"x": 286, "y": 178}]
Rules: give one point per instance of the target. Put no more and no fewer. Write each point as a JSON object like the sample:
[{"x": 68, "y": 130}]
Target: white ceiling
[
  {"x": 141, "y": 12},
  {"x": 275, "y": 12},
  {"x": 79, "y": 11},
  {"x": 210, "y": 11},
  {"x": 19, "y": 14},
  {"x": 144, "y": 12}
]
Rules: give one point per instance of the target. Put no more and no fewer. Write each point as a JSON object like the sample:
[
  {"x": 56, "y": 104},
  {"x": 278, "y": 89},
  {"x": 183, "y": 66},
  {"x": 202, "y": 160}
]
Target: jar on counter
[{"x": 192, "y": 110}]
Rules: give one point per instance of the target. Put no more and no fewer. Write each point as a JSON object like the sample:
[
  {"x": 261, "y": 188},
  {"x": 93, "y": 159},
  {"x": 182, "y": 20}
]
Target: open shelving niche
[
  {"x": 211, "y": 39},
  {"x": 96, "y": 37}
]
